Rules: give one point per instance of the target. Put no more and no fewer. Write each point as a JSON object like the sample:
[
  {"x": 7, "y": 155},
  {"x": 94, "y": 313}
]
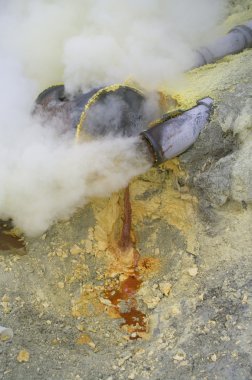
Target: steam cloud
[{"x": 44, "y": 176}]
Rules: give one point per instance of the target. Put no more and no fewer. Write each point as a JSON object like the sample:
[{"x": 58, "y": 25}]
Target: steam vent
[{"x": 126, "y": 236}]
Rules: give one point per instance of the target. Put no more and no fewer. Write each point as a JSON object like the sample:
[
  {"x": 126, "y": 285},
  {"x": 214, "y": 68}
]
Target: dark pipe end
[
  {"x": 153, "y": 147},
  {"x": 56, "y": 92}
]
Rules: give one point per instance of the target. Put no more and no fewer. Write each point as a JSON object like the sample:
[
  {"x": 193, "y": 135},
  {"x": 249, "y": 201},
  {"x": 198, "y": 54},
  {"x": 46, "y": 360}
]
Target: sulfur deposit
[{"x": 186, "y": 273}]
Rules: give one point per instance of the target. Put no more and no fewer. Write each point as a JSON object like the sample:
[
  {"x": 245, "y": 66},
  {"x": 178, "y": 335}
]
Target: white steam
[
  {"x": 147, "y": 40},
  {"x": 86, "y": 43}
]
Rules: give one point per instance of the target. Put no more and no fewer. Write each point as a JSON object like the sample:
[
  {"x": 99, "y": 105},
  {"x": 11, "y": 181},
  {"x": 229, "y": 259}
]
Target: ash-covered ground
[{"x": 192, "y": 226}]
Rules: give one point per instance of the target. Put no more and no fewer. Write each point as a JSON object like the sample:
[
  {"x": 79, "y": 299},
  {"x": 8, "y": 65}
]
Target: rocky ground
[{"x": 191, "y": 289}]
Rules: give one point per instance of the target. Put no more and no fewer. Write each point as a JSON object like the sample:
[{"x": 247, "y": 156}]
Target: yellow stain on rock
[
  {"x": 85, "y": 339},
  {"x": 148, "y": 266},
  {"x": 88, "y": 304},
  {"x": 210, "y": 79},
  {"x": 107, "y": 214},
  {"x": 157, "y": 194},
  {"x": 168, "y": 203},
  {"x": 23, "y": 356}
]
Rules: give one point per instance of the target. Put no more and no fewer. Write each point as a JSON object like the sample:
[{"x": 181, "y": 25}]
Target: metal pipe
[
  {"x": 237, "y": 39},
  {"x": 170, "y": 138},
  {"x": 167, "y": 138},
  {"x": 116, "y": 109}
]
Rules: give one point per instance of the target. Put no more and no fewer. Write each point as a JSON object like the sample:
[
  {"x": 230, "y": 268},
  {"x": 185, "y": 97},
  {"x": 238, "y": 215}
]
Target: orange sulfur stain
[
  {"x": 134, "y": 319},
  {"x": 128, "y": 289},
  {"x": 126, "y": 270},
  {"x": 148, "y": 265},
  {"x": 126, "y": 239}
]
